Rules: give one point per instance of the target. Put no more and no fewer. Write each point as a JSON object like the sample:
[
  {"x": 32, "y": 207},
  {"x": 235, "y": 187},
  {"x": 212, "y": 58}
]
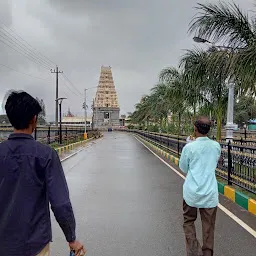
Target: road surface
[{"x": 128, "y": 203}]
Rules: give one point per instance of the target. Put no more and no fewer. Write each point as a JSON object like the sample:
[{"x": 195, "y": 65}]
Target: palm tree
[
  {"x": 142, "y": 111},
  {"x": 160, "y": 103},
  {"x": 210, "y": 80},
  {"x": 177, "y": 94},
  {"x": 225, "y": 23}
]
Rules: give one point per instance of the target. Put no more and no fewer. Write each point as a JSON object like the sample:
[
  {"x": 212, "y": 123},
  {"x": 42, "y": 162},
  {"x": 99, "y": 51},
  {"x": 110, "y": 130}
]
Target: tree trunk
[
  {"x": 219, "y": 115},
  {"x": 179, "y": 123},
  {"x": 194, "y": 113}
]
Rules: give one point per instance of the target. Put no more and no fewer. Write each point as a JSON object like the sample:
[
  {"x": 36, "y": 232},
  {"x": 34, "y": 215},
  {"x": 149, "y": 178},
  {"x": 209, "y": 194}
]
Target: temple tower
[{"x": 105, "y": 107}]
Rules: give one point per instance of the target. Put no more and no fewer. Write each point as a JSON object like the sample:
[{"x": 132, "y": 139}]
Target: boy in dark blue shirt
[{"x": 31, "y": 178}]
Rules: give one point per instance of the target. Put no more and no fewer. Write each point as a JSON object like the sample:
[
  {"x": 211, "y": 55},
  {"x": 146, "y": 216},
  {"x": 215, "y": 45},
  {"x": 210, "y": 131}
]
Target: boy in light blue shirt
[{"x": 199, "y": 160}]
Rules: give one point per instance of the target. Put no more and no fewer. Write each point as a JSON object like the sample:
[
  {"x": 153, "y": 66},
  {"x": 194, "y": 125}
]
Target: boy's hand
[{"x": 78, "y": 248}]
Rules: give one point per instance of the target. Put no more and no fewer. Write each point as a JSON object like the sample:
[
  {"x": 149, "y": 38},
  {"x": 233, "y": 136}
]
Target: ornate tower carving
[{"x": 106, "y": 108}]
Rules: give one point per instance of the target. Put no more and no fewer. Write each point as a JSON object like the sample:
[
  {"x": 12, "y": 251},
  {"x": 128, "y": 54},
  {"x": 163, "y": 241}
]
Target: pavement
[{"x": 128, "y": 203}]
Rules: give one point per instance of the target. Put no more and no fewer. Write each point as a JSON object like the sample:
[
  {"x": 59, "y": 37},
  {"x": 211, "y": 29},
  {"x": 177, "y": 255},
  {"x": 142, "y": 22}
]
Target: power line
[
  {"x": 13, "y": 41},
  {"x": 18, "y": 44},
  {"x": 27, "y": 56},
  {"x": 34, "y": 49},
  {"x": 68, "y": 87},
  {"x": 24, "y": 73},
  {"x": 65, "y": 93},
  {"x": 72, "y": 84},
  {"x": 22, "y": 47}
]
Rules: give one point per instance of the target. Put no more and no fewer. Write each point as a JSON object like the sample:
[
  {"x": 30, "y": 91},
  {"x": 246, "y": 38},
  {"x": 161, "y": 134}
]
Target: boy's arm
[
  {"x": 184, "y": 160},
  {"x": 58, "y": 194}
]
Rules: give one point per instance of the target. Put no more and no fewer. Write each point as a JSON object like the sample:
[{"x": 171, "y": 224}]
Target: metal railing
[
  {"x": 237, "y": 164},
  {"x": 51, "y": 135}
]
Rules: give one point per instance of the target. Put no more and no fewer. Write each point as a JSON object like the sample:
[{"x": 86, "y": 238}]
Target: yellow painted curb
[
  {"x": 252, "y": 206},
  {"x": 176, "y": 161},
  {"x": 229, "y": 193}
]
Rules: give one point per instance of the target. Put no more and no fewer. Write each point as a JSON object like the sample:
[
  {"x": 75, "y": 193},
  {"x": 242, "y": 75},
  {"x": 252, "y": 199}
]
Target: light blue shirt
[{"x": 199, "y": 160}]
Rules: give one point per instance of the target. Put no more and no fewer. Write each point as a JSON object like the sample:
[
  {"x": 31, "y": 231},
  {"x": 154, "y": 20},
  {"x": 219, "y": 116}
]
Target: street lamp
[
  {"x": 230, "y": 82},
  {"x": 85, "y": 111},
  {"x": 200, "y": 40},
  {"x": 60, "y": 129}
]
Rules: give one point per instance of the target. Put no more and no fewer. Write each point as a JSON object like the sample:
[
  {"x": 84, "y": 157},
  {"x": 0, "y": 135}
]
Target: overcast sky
[{"x": 137, "y": 38}]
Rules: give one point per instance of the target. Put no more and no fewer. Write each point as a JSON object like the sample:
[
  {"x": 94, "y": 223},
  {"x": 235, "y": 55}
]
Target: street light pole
[
  {"x": 231, "y": 93},
  {"x": 60, "y": 122},
  {"x": 230, "y": 113},
  {"x": 85, "y": 115},
  {"x": 60, "y": 117},
  {"x": 245, "y": 132},
  {"x": 85, "y": 112}
]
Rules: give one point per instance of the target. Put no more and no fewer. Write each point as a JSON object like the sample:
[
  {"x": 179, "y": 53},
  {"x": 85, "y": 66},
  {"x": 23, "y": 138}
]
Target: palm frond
[
  {"x": 223, "y": 22},
  {"x": 194, "y": 65},
  {"x": 169, "y": 74},
  {"x": 245, "y": 69}
]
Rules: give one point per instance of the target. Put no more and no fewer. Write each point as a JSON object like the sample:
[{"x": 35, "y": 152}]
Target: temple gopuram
[{"x": 106, "y": 109}]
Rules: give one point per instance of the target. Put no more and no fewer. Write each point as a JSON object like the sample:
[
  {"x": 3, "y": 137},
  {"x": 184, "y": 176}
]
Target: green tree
[
  {"x": 142, "y": 111},
  {"x": 210, "y": 80},
  {"x": 226, "y": 24},
  {"x": 179, "y": 100},
  {"x": 245, "y": 109},
  {"x": 42, "y": 115}
]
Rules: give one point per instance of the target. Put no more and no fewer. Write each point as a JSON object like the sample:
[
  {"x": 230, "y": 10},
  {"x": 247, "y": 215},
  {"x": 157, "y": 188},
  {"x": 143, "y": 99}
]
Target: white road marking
[
  {"x": 66, "y": 158},
  {"x": 221, "y": 207},
  {"x": 75, "y": 153}
]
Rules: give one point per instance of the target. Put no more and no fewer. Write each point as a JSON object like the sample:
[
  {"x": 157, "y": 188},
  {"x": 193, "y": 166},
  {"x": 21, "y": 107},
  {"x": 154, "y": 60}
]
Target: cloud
[{"x": 137, "y": 38}]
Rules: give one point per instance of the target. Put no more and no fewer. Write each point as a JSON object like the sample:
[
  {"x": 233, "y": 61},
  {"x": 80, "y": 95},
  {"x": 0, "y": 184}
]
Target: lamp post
[
  {"x": 245, "y": 131},
  {"x": 230, "y": 112},
  {"x": 85, "y": 115},
  {"x": 59, "y": 100},
  {"x": 85, "y": 111},
  {"x": 231, "y": 91}
]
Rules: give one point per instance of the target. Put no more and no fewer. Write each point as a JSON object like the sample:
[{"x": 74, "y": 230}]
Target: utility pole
[
  {"x": 57, "y": 72},
  {"x": 85, "y": 112},
  {"x": 59, "y": 101},
  {"x": 85, "y": 115}
]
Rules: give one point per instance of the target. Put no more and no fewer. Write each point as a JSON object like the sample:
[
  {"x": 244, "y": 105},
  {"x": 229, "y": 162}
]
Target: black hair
[
  {"x": 203, "y": 125},
  {"x": 20, "y": 108}
]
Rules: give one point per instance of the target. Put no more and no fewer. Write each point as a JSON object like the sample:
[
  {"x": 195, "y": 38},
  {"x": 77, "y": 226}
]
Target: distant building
[
  {"x": 76, "y": 121},
  {"x": 69, "y": 114},
  {"x": 105, "y": 106},
  {"x": 252, "y": 125}
]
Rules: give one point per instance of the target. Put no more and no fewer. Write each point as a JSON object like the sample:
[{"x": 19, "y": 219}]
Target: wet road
[{"x": 128, "y": 203}]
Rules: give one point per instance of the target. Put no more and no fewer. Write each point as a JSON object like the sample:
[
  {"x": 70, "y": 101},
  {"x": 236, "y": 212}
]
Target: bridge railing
[
  {"x": 237, "y": 164},
  {"x": 51, "y": 135}
]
